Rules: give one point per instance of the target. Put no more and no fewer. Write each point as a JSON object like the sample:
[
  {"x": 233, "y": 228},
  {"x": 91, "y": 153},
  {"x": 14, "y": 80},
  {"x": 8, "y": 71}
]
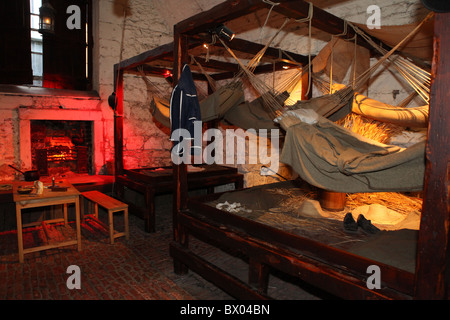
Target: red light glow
[{"x": 167, "y": 74}]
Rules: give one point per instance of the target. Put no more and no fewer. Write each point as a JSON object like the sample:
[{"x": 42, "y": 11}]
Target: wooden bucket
[{"x": 332, "y": 201}]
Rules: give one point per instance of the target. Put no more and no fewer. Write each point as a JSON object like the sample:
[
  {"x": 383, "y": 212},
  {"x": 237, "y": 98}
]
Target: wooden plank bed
[{"x": 301, "y": 247}]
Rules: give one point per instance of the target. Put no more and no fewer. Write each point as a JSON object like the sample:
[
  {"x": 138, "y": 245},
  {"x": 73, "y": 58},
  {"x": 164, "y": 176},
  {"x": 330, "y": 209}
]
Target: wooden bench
[{"x": 111, "y": 205}]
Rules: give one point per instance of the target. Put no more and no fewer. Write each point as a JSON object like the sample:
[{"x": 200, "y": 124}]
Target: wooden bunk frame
[
  {"x": 158, "y": 62},
  {"x": 330, "y": 269},
  {"x": 147, "y": 181}
]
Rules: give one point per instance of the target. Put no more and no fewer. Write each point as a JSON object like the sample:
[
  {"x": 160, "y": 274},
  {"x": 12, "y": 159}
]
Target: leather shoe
[
  {"x": 350, "y": 224},
  {"x": 366, "y": 225}
]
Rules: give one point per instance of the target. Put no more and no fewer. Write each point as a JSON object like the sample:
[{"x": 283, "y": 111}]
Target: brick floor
[{"x": 137, "y": 269}]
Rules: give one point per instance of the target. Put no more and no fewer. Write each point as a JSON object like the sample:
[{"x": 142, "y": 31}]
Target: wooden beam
[
  {"x": 218, "y": 65},
  {"x": 266, "y": 68},
  {"x": 145, "y": 57},
  {"x": 211, "y": 63},
  {"x": 245, "y": 46},
  {"x": 162, "y": 72},
  {"x": 434, "y": 225},
  {"x": 118, "y": 123},
  {"x": 321, "y": 20},
  {"x": 156, "y": 71},
  {"x": 180, "y": 189},
  {"x": 221, "y": 13}
]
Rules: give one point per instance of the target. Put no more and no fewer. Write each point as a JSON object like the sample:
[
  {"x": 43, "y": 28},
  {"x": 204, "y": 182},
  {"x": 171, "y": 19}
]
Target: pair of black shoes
[{"x": 350, "y": 225}]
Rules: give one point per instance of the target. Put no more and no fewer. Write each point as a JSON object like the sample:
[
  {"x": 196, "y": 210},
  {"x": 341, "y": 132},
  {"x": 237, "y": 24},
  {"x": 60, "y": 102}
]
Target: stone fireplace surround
[
  {"x": 19, "y": 105},
  {"x": 27, "y": 114}
]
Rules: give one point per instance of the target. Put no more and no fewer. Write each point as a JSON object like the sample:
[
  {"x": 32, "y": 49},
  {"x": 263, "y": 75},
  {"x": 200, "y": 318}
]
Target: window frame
[{"x": 7, "y": 86}]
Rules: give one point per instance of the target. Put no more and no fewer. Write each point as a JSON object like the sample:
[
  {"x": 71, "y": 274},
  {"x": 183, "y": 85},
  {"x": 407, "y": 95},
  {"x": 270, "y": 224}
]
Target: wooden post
[
  {"x": 118, "y": 123},
  {"x": 306, "y": 94},
  {"x": 180, "y": 191},
  {"x": 258, "y": 275},
  {"x": 434, "y": 226}
]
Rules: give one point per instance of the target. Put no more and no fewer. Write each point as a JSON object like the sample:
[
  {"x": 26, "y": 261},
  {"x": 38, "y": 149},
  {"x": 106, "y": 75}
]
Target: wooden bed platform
[
  {"x": 156, "y": 181},
  {"x": 316, "y": 250}
]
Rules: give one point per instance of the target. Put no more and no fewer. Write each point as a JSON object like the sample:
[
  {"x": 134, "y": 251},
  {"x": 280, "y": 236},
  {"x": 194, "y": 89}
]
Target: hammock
[
  {"x": 418, "y": 78},
  {"x": 228, "y": 102},
  {"x": 415, "y": 117},
  {"x": 338, "y": 104},
  {"x": 330, "y": 157},
  {"x": 333, "y": 106},
  {"x": 420, "y": 45},
  {"x": 259, "y": 113},
  {"x": 215, "y": 106},
  {"x": 406, "y": 117},
  {"x": 253, "y": 115},
  {"x": 270, "y": 102},
  {"x": 160, "y": 109}
]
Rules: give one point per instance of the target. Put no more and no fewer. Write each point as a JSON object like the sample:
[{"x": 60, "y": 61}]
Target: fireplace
[
  {"x": 61, "y": 146},
  {"x": 84, "y": 120}
]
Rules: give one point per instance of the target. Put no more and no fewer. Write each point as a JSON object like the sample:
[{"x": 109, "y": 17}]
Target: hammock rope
[
  {"x": 418, "y": 78},
  {"x": 150, "y": 85},
  {"x": 210, "y": 80},
  {"x": 266, "y": 93},
  {"x": 272, "y": 4},
  {"x": 269, "y": 94},
  {"x": 407, "y": 68}
]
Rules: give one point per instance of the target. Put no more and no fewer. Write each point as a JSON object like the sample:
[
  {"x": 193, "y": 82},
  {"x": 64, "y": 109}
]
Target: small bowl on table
[{"x": 24, "y": 190}]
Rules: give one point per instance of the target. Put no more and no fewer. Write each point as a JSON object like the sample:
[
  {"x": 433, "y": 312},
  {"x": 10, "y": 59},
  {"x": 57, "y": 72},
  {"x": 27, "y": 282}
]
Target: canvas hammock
[
  {"x": 224, "y": 104},
  {"x": 338, "y": 103},
  {"x": 330, "y": 157},
  {"x": 228, "y": 102},
  {"x": 254, "y": 114},
  {"x": 416, "y": 117},
  {"x": 412, "y": 117},
  {"x": 419, "y": 46},
  {"x": 214, "y": 106},
  {"x": 260, "y": 113}
]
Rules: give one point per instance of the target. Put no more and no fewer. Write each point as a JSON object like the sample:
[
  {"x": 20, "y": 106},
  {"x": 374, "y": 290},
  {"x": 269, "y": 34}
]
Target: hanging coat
[{"x": 185, "y": 111}]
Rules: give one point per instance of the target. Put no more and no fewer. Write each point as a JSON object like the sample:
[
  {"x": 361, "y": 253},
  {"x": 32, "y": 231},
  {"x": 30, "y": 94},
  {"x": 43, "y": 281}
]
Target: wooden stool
[{"x": 111, "y": 205}]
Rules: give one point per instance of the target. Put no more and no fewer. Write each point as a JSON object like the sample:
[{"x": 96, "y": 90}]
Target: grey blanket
[{"x": 331, "y": 157}]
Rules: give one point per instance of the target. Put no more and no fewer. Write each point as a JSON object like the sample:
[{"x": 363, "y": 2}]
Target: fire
[{"x": 60, "y": 149}]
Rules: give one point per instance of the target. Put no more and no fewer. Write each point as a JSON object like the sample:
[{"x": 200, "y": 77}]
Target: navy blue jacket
[{"x": 185, "y": 109}]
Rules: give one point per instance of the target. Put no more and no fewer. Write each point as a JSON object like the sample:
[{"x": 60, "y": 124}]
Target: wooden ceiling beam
[
  {"x": 162, "y": 72},
  {"x": 217, "y": 65},
  {"x": 322, "y": 20},
  {"x": 253, "y": 48},
  {"x": 147, "y": 56},
  {"x": 266, "y": 68},
  {"x": 221, "y": 13}
]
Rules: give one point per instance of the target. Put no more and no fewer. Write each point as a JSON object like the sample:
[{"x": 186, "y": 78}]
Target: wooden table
[
  {"x": 47, "y": 198},
  {"x": 159, "y": 180}
]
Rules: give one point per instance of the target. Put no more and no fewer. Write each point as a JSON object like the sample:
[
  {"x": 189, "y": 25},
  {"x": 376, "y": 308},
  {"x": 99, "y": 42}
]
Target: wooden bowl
[{"x": 24, "y": 190}]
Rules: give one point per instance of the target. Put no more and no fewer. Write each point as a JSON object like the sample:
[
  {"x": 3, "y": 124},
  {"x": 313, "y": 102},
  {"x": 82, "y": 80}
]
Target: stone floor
[{"x": 137, "y": 269}]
